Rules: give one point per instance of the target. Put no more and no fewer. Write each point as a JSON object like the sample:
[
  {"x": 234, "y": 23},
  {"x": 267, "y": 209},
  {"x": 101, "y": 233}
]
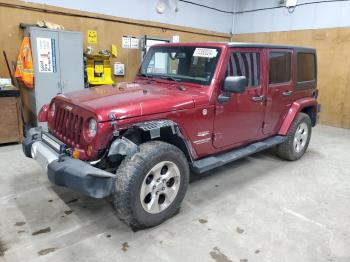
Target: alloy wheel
[
  {"x": 160, "y": 187},
  {"x": 300, "y": 137}
]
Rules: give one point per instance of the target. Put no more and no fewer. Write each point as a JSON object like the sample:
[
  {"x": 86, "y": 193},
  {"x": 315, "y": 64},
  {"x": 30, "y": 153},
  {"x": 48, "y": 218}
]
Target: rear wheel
[
  {"x": 298, "y": 138},
  {"x": 151, "y": 184}
]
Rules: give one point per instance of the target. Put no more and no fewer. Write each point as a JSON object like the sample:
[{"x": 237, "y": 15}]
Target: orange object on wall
[{"x": 25, "y": 68}]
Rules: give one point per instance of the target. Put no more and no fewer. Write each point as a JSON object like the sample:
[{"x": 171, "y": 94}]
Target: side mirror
[{"x": 235, "y": 84}]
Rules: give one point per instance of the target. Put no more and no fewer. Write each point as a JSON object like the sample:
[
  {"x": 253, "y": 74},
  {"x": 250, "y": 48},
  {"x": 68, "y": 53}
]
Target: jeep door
[
  {"x": 280, "y": 89},
  {"x": 239, "y": 120}
]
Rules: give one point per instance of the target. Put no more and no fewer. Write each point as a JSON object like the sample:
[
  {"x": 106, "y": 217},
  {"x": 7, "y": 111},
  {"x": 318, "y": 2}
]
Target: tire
[
  {"x": 156, "y": 167},
  {"x": 297, "y": 140}
]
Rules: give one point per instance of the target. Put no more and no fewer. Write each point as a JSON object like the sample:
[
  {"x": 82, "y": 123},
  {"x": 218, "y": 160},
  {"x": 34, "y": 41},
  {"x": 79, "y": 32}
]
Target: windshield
[{"x": 181, "y": 63}]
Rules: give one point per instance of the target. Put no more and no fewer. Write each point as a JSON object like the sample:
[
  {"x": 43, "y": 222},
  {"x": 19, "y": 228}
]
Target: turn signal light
[
  {"x": 89, "y": 150},
  {"x": 75, "y": 153}
]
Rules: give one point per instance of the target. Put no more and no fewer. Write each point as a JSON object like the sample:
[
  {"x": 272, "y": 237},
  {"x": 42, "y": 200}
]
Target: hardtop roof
[
  {"x": 271, "y": 46},
  {"x": 242, "y": 45}
]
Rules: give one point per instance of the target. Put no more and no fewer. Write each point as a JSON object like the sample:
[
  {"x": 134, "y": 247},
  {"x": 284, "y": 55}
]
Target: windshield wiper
[
  {"x": 171, "y": 78},
  {"x": 146, "y": 75}
]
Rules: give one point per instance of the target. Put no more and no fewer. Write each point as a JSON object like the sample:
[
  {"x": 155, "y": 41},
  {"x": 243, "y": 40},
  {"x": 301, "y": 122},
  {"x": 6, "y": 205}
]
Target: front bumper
[{"x": 63, "y": 170}]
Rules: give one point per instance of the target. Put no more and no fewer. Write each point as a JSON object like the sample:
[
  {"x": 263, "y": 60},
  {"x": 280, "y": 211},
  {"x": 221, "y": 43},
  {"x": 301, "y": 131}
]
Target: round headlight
[{"x": 92, "y": 127}]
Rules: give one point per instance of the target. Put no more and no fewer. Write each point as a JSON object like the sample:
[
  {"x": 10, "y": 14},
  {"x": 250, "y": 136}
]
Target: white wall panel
[{"x": 313, "y": 16}]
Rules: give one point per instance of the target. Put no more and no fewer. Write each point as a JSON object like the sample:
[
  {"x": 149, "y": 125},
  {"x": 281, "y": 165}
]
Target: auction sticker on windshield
[{"x": 205, "y": 52}]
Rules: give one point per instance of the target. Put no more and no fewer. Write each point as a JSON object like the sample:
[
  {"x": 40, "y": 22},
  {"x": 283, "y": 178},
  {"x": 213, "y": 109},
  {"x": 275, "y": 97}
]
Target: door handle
[
  {"x": 287, "y": 93},
  {"x": 258, "y": 98}
]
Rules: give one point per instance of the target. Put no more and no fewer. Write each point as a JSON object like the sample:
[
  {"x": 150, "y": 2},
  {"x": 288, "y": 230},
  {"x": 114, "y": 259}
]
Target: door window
[
  {"x": 245, "y": 64},
  {"x": 280, "y": 67},
  {"x": 306, "y": 69}
]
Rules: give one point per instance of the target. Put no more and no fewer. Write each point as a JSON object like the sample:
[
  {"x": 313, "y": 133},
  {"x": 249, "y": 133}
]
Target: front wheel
[
  {"x": 298, "y": 138},
  {"x": 151, "y": 184}
]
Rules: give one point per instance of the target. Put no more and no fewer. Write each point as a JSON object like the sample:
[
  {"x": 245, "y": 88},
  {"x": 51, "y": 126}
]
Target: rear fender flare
[{"x": 294, "y": 110}]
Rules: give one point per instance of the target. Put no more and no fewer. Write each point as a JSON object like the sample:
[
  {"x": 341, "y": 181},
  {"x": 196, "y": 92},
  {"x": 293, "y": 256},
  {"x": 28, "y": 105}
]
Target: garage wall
[
  {"x": 324, "y": 26},
  {"x": 109, "y": 29},
  {"x": 188, "y": 14}
]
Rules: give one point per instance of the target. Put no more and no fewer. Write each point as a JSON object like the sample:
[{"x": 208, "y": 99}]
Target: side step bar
[{"x": 210, "y": 162}]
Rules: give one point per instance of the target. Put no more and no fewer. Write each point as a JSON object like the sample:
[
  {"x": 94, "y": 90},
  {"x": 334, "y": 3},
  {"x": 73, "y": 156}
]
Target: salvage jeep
[{"x": 192, "y": 107}]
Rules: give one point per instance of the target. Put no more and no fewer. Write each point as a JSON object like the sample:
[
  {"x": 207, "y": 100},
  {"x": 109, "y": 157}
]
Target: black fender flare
[{"x": 126, "y": 147}]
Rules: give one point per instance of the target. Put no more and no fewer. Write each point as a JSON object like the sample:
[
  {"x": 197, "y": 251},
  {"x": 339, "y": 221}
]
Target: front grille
[{"x": 67, "y": 126}]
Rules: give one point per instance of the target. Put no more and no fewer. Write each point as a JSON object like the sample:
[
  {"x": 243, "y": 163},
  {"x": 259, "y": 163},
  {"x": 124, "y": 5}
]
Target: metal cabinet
[{"x": 58, "y": 66}]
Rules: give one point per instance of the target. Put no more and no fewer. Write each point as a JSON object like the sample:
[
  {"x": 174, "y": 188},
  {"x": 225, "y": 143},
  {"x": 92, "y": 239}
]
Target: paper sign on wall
[
  {"x": 176, "y": 38},
  {"x": 119, "y": 69},
  {"x": 92, "y": 37},
  {"x": 205, "y": 52},
  {"x": 126, "y": 42},
  {"x": 134, "y": 42},
  {"x": 46, "y": 55},
  {"x": 114, "y": 50}
]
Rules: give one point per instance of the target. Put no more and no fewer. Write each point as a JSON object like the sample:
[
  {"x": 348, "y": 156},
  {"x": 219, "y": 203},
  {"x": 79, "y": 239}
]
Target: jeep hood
[{"x": 130, "y": 100}]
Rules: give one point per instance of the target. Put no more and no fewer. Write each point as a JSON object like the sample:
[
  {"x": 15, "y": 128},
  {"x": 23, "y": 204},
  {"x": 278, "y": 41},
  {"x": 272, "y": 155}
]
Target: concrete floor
[{"x": 257, "y": 209}]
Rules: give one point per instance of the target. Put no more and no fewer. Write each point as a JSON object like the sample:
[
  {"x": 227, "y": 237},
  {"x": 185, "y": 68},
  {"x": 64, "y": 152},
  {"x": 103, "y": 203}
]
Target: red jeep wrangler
[{"x": 191, "y": 107}]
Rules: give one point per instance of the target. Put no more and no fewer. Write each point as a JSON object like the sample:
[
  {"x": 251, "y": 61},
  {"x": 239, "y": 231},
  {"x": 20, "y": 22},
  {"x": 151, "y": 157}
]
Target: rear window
[
  {"x": 306, "y": 70},
  {"x": 280, "y": 66}
]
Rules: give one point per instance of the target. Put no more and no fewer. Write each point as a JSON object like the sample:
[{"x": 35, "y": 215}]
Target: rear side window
[
  {"x": 306, "y": 69},
  {"x": 245, "y": 64},
  {"x": 280, "y": 66}
]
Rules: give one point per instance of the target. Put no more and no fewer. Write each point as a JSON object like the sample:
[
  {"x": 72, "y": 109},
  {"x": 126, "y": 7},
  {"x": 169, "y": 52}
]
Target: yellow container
[{"x": 99, "y": 70}]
